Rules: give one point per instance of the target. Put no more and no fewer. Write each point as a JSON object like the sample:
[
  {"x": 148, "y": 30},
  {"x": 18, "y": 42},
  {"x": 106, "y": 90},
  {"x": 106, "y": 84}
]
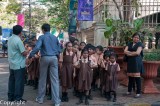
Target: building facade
[{"x": 125, "y": 10}]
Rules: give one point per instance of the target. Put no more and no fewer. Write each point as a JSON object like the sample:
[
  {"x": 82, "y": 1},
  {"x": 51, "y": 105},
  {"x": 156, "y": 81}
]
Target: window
[{"x": 148, "y": 10}]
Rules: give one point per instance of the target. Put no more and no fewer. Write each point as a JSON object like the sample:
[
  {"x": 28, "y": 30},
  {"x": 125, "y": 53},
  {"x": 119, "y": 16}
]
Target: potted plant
[
  {"x": 151, "y": 63},
  {"x": 124, "y": 29}
]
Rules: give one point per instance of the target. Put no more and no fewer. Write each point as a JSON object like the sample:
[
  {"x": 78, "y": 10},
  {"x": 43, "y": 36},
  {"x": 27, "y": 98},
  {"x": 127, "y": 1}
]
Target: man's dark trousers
[{"x": 16, "y": 84}]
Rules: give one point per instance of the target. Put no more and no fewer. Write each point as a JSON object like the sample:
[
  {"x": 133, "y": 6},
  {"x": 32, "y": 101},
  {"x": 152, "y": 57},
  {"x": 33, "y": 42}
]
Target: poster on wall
[{"x": 85, "y": 10}]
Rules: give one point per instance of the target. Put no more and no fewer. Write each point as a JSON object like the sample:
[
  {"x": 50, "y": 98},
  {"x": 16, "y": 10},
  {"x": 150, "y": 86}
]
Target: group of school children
[{"x": 83, "y": 67}]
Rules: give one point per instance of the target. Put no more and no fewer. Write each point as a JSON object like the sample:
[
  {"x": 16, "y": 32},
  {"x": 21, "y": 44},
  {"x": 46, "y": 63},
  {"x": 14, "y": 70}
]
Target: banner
[
  {"x": 73, "y": 5},
  {"x": 20, "y": 19},
  {"x": 85, "y": 10},
  {"x": 72, "y": 17}
]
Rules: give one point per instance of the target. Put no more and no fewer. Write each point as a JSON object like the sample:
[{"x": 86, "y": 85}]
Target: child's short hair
[
  {"x": 29, "y": 45},
  {"x": 114, "y": 55},
  {"x": 106, "y": 53},
  {"x": 87, "y": 46},
  {"x": 67, "y": 44},
  {"x": 92, "y": 47},
  {"x": 64, "y": 52},
  {"x": 84, "y": 50},
  {"x": 82, "y": 43},
  {"x": 75, "y": 44},
  {"x": 100, "y": 48}
]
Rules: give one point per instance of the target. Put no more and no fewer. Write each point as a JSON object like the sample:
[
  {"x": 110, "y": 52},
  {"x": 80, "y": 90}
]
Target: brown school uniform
[
  {"x": 93, "y": 58},
  {"x": 30, "y": 65},
  {"x": 96, "y": 71},
  {"x": 33, "y": 68},
  {"x": 85, "y": 76},
  {"x": 100, "y": 70},
  {"x": 111, "y": 77},
  {"x": 67, "y": 69},
  {"x": 104, "y": 65},
  {"x": 76, "y": 71}
]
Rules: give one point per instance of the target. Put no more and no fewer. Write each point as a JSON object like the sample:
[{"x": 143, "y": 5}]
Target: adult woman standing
[{"x": 134, "y": 52}]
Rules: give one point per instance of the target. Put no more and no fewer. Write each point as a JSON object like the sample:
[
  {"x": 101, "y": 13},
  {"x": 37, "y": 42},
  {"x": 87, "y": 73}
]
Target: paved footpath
[{"x": 30, "y": 94}]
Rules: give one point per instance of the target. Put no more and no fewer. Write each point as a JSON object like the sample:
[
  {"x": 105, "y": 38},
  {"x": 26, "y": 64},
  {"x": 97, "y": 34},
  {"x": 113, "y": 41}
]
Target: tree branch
[{"x": 120, "y": 15}]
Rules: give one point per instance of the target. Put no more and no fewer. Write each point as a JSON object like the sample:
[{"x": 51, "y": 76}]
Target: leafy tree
[
  {"x": 13, "y": 7},
  {"x": 7, "y": 19},
  {"x": 58, "y": 12},
  {"x": 38, "y": 17}
]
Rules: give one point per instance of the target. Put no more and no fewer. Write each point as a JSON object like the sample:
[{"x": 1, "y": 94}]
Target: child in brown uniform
[
  {"x": 84, "y": 78},
  {"x": 67, "y": 59},
  {"x": 111, "y": 77},
  {"x": 91, "y": 53},
  {"x": 76, "y": 71},
  {"x": 99, "y": 72},
  {"x": 104, "y": 66},
  {"x": 30, "y": 66}
]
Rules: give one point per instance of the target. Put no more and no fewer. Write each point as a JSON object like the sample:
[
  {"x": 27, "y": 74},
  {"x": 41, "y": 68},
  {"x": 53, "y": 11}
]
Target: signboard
[
  {"x": 20, "y": 19},
  {"x": 85, "y": 10},
  {"x": 73, "y": 5},
  {"x": 72, "y": 17}
]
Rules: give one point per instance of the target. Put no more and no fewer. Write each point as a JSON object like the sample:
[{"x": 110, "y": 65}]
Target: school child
[
  {"x": 98, "y": 71},
  {"x": 91, "y": 52},
  {"x": 30, "y": 66},
  {"x": 76, "y": 71},
  {"x": 85, "y": 65},
  {"x": 67, "y": 59},
  {"x": 104, "y": 66},
  {"x": 81, "y": 46},
  {"x": 26, "y": 45},
  {"x": 111, "y": 77},
  {"x": 76, "y": 51}
]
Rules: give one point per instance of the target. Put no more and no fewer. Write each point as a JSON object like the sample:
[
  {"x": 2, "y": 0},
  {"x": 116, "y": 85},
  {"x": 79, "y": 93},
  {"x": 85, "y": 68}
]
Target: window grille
[{"x": 149, "y": 10}]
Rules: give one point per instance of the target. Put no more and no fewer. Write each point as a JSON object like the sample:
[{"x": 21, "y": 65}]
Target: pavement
[{"x": 98, "y": 100}]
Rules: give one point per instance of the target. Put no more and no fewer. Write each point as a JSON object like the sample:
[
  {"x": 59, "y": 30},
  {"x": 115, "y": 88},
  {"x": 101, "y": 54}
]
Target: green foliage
[
  {"x": 153, "y": 55},
  {"x": 125, "y": 28},
  {"x": 138, "y": 24},
  {"x": 38, "y": 17},
  {"x": 7, "y": 20},
  {"x": 111, "y": 27},
  {"x": 13, "y": 7},
  {"x": 128, "y": 31},
  {"x": 58, "y": 12}
]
